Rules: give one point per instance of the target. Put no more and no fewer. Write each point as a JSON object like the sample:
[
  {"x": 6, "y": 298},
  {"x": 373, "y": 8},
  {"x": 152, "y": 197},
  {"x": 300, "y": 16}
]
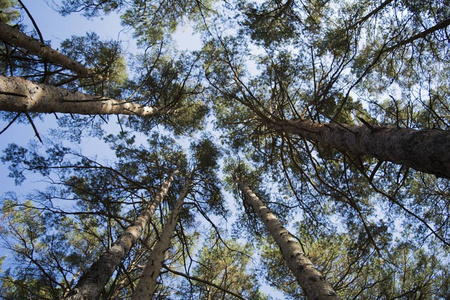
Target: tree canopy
[{"x": 303, "y": 151}]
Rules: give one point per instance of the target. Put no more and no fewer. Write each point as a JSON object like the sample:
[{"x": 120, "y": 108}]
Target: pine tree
[
  {"x": 340, "y": 107},
  {"x": 93, "y": 280},
  {"x": 147, "y": 282},
  {"x": 312, "y": 281}
]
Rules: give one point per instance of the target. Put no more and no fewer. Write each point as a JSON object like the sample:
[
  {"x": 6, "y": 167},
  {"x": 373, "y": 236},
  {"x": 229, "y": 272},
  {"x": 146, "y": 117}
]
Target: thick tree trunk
[
  {"x": 20, "y": 95},
  {"x": 311, "y": 281},
  {"x": 424, "y": 150},
  {"x": 93, "y": 281},
  {"x": 147, "y": 282},
  {"x": 16, "y": 38}
]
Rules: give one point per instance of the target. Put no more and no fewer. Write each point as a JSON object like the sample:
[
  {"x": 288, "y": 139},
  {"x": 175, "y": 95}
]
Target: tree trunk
[
  {"x": 93, "y": 281},
  {"x": 147, "y": 282},
  {"x": 16, "y": 38},
  {"x": 21, "y": 95},
  {"x": 424, "y": 150},
  {"x": 311, "y": 281}
]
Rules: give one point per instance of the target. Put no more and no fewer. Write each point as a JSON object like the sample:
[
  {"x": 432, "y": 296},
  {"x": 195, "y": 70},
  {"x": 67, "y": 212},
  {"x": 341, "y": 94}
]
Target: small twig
[
  {"x": 367, "y": 124},
  {"x": 34, "y": 128},
  {"x": 44, "y": 79},
  {"x": 10, "y": 123},
  {"x": 202, "y": 281}
]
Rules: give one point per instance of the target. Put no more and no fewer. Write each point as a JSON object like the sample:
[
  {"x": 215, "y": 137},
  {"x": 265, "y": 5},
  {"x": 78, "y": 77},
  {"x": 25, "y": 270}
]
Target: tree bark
[
  {"x": 93, "y": 281},
  {"x": 424, "y": 150},
  {"x": 147, "y": 282},
  {"x": 21, "y": 95},
  {"x": 310, "y": 279},
  {"x": 16, "y": 38}
]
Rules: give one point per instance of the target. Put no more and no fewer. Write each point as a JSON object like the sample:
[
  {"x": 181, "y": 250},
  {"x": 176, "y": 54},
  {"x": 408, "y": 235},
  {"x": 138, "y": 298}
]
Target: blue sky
[{"x": 56, "y": 28}]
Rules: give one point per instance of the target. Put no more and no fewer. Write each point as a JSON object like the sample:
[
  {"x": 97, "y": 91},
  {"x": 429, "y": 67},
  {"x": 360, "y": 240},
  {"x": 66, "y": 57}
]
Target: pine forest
[{"x": 287, "y": 149}]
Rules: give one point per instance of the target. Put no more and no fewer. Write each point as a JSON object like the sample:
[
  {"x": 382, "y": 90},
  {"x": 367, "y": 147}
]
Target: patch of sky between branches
[
  {"x": 186, "y": 38},
  {"x": 56, "y": 28}
]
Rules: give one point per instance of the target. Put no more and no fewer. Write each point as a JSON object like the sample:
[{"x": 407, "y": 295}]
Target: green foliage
[
  {"x": 172, "y": 87},
  {"x": 104, "y": 201},
  {"x": 154, "y": 20},
  {"x": 375, "y": 229},
  {"x": 356, "y": 271},
  {"x": 162, "y": 156},
  {"x": 269, "y": 23},
  {"x": 224, "y": 263},
  {"x": 91, "y": 8},
  {"x": 207, "y": 185},
  {"x": 48, "y": 251},
  {"x": 188, "y": 118},
  {"x": 206, "y": 155},
  {"x": 22, "y": 159},
  {"x": 239, "y": 170},
  {"x": 8, "y": 11},
  {"x": 103, "y": 58}
]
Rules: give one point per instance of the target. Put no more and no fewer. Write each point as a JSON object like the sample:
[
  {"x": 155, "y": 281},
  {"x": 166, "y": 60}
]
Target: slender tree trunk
[
  {"x": 424, "y": 150},
  {"x": 93, "y": 281},
  {"x": 21, "y": 95},
  {"x": 16, "y": 38},
  {"x": 311, "y": 281},
  {"x": 147, "y": 282}
]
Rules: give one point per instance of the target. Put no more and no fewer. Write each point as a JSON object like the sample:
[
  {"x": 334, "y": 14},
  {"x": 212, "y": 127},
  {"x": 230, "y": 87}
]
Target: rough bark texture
[
  {"x": 16, "y": 38},
  {"x": 424, "y": 150},
  {"x": 147, "y": 282},
  {"x": 95, "y": 278},
  {"x": 311, "y": 281},
  {"x": 20, "y": 95}
]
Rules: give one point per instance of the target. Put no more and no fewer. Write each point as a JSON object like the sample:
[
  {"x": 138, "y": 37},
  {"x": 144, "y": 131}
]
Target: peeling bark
[
  {"x": 147, "y": 282},
  {"x": 93, "y": 281},
  {"x": 424, "y": 150},
  {"x": 21, "y": 95},
  {"x": 310, "y": 279}
]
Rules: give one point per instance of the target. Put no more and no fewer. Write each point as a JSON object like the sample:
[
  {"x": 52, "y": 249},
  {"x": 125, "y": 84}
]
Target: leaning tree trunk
[
  {"x": 424, "y": 150},
  {"x": 147, "y": 282},
  {"x": 310, "y": 279},
  {"x": 93, "y": 281},
  {"x": 21, "y": 95},
  {"x": 16, "y": 38}
]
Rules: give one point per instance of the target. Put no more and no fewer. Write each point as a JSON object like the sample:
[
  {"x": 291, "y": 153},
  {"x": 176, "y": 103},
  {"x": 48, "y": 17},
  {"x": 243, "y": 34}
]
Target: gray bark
[
  {"x": 424, "y": 150},
  {"x": 147, "y": 282},
  {"x": 21, "y": 95},
  {"x": 309, "y": 278},
  {"x": 93, "y": 281},
  {"x": 16, "y": 38}
]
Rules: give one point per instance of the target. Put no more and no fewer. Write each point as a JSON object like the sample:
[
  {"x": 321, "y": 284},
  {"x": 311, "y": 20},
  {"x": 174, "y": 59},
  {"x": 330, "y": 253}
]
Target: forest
[{"x": 302, "y": 152}]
